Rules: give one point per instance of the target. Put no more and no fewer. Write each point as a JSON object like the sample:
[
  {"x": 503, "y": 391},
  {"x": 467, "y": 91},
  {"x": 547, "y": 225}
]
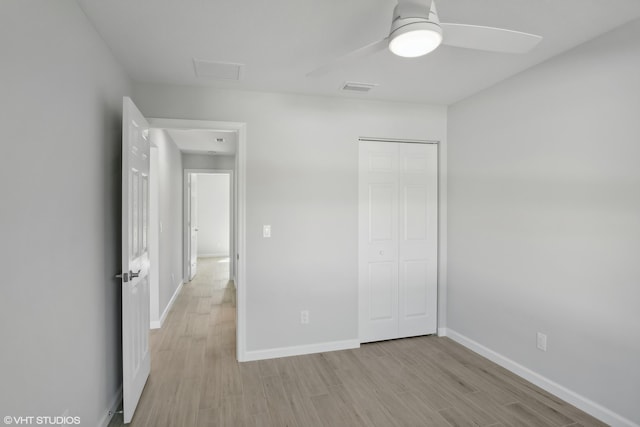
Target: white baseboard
[
  {"x": 598, "y": 411},
  {"x": 298, "y": 350},
  {"x": 442, "y": 332},
  {"x": 111, "y": 410},
  {"x": 157, "y": 324},
  {"x": 214, "y": 255}
]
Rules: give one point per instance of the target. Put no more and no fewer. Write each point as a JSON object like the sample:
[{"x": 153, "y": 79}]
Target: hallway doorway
[{"x": 209, "y": 226}]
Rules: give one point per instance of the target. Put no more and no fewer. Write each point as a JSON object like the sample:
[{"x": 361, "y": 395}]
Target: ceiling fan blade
[
  {"x": 358, "y": 53},
  {"x": 488, "y": 38}
]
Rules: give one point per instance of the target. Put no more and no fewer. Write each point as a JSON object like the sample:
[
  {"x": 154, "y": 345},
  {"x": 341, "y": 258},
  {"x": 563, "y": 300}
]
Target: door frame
[
  {"x": 154, "y": 238},
  {"x": 240, "y": 214},
  {"x": 185, "y": 216},
  {"x": 442, "y": 225}
]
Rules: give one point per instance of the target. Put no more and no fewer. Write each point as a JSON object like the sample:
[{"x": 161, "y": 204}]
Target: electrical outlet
[
  {"x": 541, "y": 341},
  {"x": 266, "y": 231},
  {"x": 304, "y": 317}
]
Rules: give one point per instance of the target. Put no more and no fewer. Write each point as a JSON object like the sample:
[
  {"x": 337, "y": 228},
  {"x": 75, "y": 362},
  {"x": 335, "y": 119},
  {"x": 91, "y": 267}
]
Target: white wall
[
  {"x": 60, "y": 116},
  {"x": 544, "y": 219},
  {"x": 227, "y": 163},
  {"x": 214, "y": 220},
  {"x": 302, "y": 158},
  {"x": 205, "y": 161},
  {"x": 170, "y": 215}
]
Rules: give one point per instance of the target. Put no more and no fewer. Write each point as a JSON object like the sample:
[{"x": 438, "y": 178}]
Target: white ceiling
[
  {"x": 279, "y": 41},
  {"x": 205, "y": 141}
]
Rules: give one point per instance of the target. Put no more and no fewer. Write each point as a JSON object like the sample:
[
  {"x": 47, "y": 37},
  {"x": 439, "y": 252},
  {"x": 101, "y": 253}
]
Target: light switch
[{"x": 266, "y": 231}]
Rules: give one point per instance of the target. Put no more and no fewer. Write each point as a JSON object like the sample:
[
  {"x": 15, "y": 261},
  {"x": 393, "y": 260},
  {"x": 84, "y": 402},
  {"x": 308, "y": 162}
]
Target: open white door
[
  {"x": 136, "y": 358},
  {"x": 193, "y": 225}
]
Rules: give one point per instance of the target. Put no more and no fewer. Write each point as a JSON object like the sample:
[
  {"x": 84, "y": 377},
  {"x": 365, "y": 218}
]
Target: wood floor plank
[
  {"x": 184, "y": 411},
  {"x": 255, "y": 400},
  {"x": 333, "y": 412},
  {"x": 364, "y": 401},
  {"x": 430, "y": 417},
  {"x": 262, "y": 419},
  {"x": 536, "y": 399},
  {"x": 211, "y": 386},
  {"x": 311, "y": 383},
  {"x": 472, "y": 377},
  {"x": 301, "y": 406},
  {"x": 231, "y": 412},
  {"x": 455, "y": 418},
  {"x": 528, "y": 415},
  {"x": 397, "y": 409},
  {"x": 487, "y": 402}
]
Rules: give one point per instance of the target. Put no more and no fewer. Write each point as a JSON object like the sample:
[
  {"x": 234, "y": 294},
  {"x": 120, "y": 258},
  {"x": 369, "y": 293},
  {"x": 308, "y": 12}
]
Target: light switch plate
[{"x": 266, "y": 231}]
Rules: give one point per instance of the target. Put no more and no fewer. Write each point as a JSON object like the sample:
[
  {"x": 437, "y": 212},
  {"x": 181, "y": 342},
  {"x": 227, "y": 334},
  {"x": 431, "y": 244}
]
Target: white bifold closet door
[{"x": 398, "y": 239}]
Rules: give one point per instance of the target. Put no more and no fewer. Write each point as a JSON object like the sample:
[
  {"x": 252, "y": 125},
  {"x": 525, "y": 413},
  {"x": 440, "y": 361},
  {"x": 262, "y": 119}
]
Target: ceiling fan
[{"x": 416, "y": 31}]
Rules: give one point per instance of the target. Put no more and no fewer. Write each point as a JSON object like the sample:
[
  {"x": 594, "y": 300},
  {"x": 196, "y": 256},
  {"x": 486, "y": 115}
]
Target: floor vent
[
  {"x": 218, "y": 70},
  {"x": 358, "y": 87}
]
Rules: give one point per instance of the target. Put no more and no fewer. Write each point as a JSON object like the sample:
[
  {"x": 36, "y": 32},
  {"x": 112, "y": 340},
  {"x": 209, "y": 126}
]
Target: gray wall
[
  {"x": 170, "y": 215},
  {"x": 302, "y": 159},
  {"x": 208, "y": 161},
  {"x": 214, "y": 209},
  {"x": 544, "y": 219},
  {"x": 205, "y": 161},
  {"x": 60, "y": 117}
]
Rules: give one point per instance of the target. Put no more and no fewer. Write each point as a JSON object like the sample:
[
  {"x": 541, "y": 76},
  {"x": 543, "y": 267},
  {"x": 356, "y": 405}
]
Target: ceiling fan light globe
[{"x": 417, "y": 39}]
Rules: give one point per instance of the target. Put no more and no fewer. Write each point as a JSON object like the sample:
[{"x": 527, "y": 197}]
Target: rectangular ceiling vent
[
  {"x": 218, "y": 70},
  {"x": 358, "y": 87}
]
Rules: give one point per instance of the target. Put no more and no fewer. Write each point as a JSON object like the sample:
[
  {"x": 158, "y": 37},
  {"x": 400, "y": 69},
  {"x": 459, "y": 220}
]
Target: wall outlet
[
  {"x": 266, "y": 231},
  {"x": 541, "y": 341},
  {"x": 304, "y": 317}
]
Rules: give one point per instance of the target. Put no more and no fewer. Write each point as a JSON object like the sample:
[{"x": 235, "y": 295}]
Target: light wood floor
[{"x": 426, "y": 381}]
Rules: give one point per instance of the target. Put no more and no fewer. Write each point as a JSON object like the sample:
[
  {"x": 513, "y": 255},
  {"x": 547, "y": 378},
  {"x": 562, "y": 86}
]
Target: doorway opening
[
  {"x": 208, "y": 218},
  {"x": 197, "y": 151}
]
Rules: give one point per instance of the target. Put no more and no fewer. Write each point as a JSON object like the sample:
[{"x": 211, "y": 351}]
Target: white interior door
[
  {"x": 398, "y": 240},
  {"x": 378, "y": 233},
  {"x": 193, "y": 225},
  {"x": 418, "y": 240},
  {"x": 136, "y": 358}
]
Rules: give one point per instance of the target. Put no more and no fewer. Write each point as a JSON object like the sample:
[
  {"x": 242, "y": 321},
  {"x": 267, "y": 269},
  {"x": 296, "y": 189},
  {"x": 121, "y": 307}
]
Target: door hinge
[{"x": 123, "y": 276}]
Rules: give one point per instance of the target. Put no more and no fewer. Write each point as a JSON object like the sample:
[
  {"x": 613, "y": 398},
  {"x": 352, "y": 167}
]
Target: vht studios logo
[{"x": 42, "y": 421}]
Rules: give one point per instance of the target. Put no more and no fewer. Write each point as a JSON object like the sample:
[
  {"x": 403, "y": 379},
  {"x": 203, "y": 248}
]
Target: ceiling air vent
[
  {"x": 218, "y": 70},
  {"x": 358, "y": 87}
]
